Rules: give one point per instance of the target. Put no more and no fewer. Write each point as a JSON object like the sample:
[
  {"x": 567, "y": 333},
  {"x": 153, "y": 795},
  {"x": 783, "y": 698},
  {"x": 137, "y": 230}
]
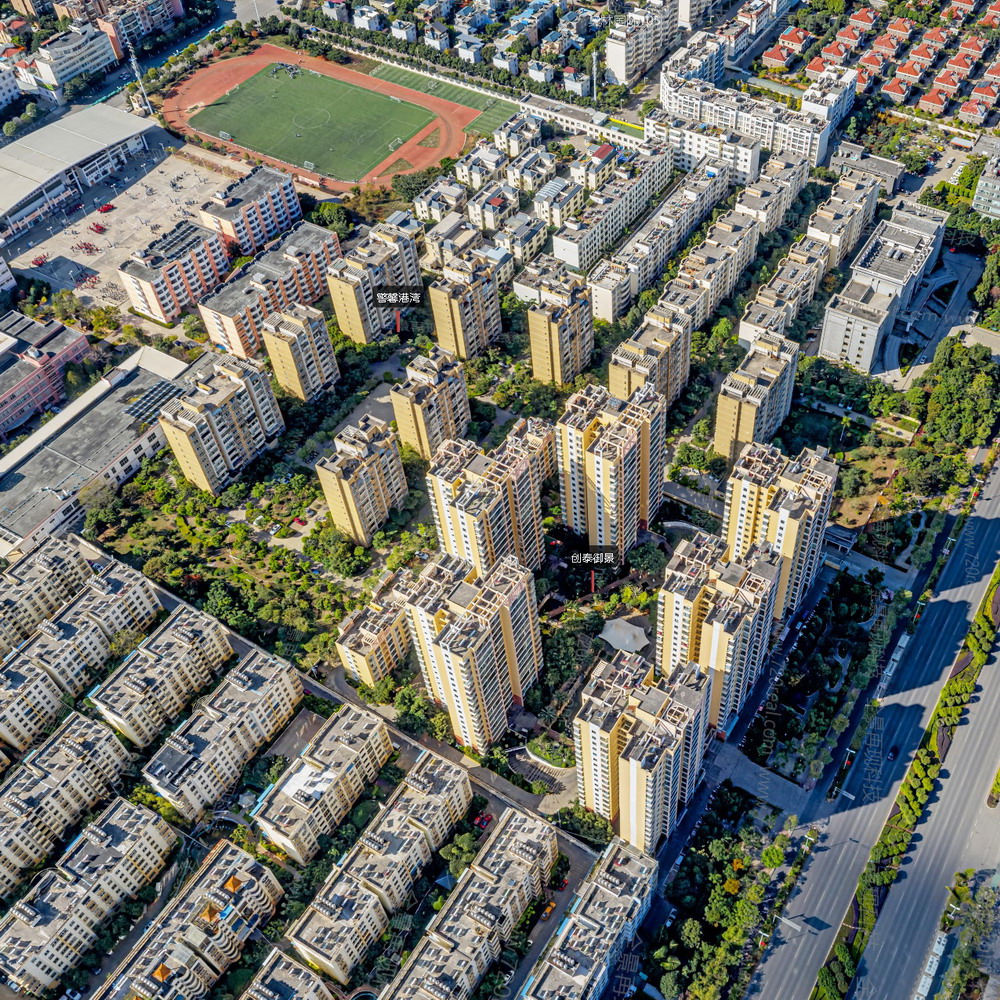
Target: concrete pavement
[{"x": 854, "y": 821}]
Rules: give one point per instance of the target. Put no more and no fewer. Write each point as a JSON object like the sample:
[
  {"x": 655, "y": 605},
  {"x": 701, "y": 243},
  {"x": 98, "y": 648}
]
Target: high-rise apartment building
[
  {"x": 35, "y": 586},
  {"x": 53, "y": 789},
  {"x": 373, "y": 640},
  {"x": 324, "y": 782},
  {"x": 561, "y": 329},
  {"x": 205, "y": 756},
  {"x": 175, "y": 271},
  {"x": 640, "y": 741},
  {"x": 756, "y": 397},
  {"x": 466, "y": 306},
  {"x": 226, "y": 419},
  {"x": 717, "y": 613},
  {"x": 253, "y": 210},
  {"x": 353, "y": 908},
  {"x": 152, "y": 687},
  {"x": 201, "y": 932},
  {"x": 300, "y": 351},
  {"x": 657, "y": 355},
  {"x": 286, "y": 273},
  {"x": 488, "y": 506},
  {"x": 363, "y": 479},
  {"x": 611, "y": 458},
  {"x": 785, "y": 503},
  {"x": 385, "y": 259},
  {"x": 46, "y": 934},
  {"x": 432, "y": 404},
  {"x": 477, "y": 641},
  {"x": 638, "y": 38}
]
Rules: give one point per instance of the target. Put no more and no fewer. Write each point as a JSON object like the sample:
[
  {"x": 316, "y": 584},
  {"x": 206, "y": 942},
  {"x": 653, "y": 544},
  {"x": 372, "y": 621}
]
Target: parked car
[
  {"x": 483, "y": 820},
  {"x": 562, "y": 885},
  {"x": 299, "y": 520},
  {"x": 547, "y": 912}
]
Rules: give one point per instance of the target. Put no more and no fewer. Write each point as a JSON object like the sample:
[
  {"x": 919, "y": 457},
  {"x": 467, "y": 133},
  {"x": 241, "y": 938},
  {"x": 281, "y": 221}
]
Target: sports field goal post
[
  {"x": 396, "y": 143},
  {"x": 226, "y": 136},
  {"x": 309, "y": 165}
]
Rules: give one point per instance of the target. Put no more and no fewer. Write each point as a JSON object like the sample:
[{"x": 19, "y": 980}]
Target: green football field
[
  {"x": 343, "y": 130},
  {"x": 494, "y": 110}
]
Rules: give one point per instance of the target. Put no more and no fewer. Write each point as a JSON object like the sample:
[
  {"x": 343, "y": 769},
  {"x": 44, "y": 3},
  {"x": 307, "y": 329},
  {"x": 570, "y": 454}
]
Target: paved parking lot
[{"x": 158, "y": 190}]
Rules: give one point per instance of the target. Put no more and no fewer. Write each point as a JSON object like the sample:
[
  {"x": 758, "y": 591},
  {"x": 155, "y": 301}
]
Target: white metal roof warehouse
[{"x": 56, "y": 162}]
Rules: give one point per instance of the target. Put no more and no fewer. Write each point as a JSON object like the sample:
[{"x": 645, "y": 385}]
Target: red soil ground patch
[{"x": 207, "y": 85}]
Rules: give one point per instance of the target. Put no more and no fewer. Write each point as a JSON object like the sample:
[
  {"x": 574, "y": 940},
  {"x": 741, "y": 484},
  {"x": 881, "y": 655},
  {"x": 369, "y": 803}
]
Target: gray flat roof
[
  {"x": 29, "y": 163},
  {"x": 36, "y": 486}
]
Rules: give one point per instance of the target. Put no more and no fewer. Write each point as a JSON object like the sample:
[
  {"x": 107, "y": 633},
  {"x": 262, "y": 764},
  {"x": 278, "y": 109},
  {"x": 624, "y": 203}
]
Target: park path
[{"x": 211, "y": 82}]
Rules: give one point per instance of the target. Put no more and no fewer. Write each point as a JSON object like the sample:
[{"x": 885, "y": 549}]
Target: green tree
[{"x": 460, "y": 853}]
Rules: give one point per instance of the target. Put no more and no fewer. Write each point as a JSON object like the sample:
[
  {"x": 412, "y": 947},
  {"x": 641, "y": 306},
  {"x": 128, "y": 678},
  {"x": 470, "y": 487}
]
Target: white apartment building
[
  {"x": 440, "y": 197},
  {"x": 46, "y": 934},
  {"x": 616, "y": 282},
  {"x": 777, "y": 128},
  {"x": 73, "y": 646},
  {"x": 30, "y": 701},
  {"x": 521, "y": 132},
  {"x": 82, "y": 48},
  {"x": 884, "y": 278},
  {"x": 201, "y": 932},
  {"x": 352, "y": 909},
  {"x": 324, "y": 782},
  {"x": 492, "y": 205},
  {"x": 204, "y": 757},
  {"x": 638, "y": 38},
  {"x": 531, "y": 170},
  {"x": 580, "y": 242},
  {"x": 52, "y": 790},
  {"x": 601, "y": 921},
  {"x": 468, "y": 934},
  {"x": 693, "y": 142},
  {"x": 157, "y": 682},
  {"x": 482, "y": 164},
  {"x": 282, "y": 978},
  {"x": 831, "y": 95},
  {"x": 843, "y": 217},
  {"x": 35, "y": 586}
]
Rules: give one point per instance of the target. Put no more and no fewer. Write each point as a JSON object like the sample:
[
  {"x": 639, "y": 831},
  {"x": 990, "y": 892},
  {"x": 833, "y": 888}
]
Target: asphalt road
[
  {"x": 958, "y": 830},
  {"x": 852, "y": 825}
]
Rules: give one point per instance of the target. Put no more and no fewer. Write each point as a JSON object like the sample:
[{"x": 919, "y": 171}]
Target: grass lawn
[
  {"x": 494, "y": 110},
  {"x": 342, "y": 129}
]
